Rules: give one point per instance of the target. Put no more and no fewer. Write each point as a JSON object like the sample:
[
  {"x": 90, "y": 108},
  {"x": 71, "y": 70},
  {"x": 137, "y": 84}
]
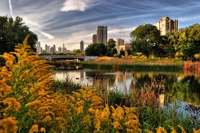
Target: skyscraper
[
  {"x": 102, "y": 34},
  {"x": 39, "y": 49},
  {"x": 82, "y": 46},
  {"x": 119, "y": 43},
  {"x": 94, "y": 38},
  {"x": 167, "y": 25}
]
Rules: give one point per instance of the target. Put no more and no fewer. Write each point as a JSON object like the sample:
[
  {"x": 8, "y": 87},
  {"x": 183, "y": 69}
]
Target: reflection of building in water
[
  {"x": 81, "y": 74},
  {"x": 161, "y": 100},
  {"x": 123, "y": 82}
]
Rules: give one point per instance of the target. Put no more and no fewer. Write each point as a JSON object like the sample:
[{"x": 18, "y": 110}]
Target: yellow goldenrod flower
[
  {"x": 160, "y": 130},
  {"x": 34, "y": 129},
  {"x": 172, "y": 129},
  {"x": 116, "y": 124},
  {"x": 47, "y": 119},
  {"x": 12, "y": 104},
  {"x": 8, "y": 125},
  {"x": 43, "y": 130},
  {"x": 196, "y": 130}
]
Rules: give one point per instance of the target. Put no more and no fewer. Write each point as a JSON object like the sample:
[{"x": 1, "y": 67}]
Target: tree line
[
  {"x": 146, "y": 39},
  {"x": 12, "y": 32}
]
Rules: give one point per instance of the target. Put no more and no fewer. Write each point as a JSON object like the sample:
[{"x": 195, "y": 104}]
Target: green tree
[
  {"x": 186, "y": 41},
  {"x": 76, "y": 52},
  {"x": 96, "y": 50},
  {"x": 144, "y": 38},
  {"x": 13, "y": 32},
  {"x": 111, "y": 50}
]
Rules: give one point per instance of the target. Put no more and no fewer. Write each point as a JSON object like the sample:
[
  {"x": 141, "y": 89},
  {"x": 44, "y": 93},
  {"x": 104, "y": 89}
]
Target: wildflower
[
  {"x": 160, "y": 130},
  {"x": 33, "y": 104},
  {"x": 116, "y": 124},
  {"x": 172, "y": 129},
  {"x": 98, "y": 124},
  {"x": 12, "y": 104},
  {"x": 79, "y": 109},
  {"x": 8, "y": 125},
  {"x": 196, "y": 130},
  {"x": 147, "y": 131},
  {"x": 43, "y": 130},
  {"x": 34, "y": 129},
  {"x": 47, "y": 118},
  {"x": 118, "y": 113}
]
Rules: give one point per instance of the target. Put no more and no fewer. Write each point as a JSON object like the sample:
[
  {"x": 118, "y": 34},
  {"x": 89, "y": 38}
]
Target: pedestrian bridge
[{"x": 67, "y": 57}]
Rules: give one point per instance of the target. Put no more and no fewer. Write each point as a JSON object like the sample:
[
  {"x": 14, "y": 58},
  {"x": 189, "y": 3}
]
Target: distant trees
[
  {"x": 96, "y": 50},
  {"x": 111, "y": 50},
  {"x": 12, "y": 32},
  {"x": 186, "y": 42},
  {"x": 145, "y": 38},
  {"x": 101, "y": 49}
]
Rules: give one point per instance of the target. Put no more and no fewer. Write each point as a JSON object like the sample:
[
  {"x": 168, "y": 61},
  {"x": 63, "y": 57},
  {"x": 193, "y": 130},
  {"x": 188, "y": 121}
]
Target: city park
[{"x": 31, "y": 100}]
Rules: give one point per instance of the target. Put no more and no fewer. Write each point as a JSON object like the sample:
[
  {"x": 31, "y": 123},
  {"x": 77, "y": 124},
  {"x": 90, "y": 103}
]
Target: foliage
[
  {"x": 65, "y": 86},
  {"x": 96, "y": 50},
  {"x": 111, "y": 43},
  {"x": 144, "y": 38},
  {"x": 186, "y": 41},
  {"x": 13, "y": 32},
  {"x": 146, "y": 32},
  {"x": 76, "y": 52}
]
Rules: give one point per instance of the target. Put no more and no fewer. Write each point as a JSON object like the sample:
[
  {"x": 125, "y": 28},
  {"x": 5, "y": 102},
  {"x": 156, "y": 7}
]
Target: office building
[
  {"x": 82, "y": 46},
  {"x": 102, "y": 34},
  {"x": 59, "y": 50},
  {"x": 119, "y": 42},
  {"x": 94, "y": 38},
  {"x": 47, "y": 48},
  {"x": 167, "y": 25},
  {"x": 39, "y": 48}
]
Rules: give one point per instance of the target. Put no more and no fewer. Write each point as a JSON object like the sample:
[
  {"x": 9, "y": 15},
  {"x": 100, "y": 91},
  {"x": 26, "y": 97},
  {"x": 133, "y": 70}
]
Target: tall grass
[{"x": 135, "y": 67}]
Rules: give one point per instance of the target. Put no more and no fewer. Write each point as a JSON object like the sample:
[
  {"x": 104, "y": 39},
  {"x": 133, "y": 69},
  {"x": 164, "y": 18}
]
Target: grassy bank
[{"x": 134, "y": 64}]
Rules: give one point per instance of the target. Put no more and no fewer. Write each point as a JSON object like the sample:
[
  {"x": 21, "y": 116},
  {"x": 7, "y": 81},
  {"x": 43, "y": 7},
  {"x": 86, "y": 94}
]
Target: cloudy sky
[{"x": 70, "y": 21}]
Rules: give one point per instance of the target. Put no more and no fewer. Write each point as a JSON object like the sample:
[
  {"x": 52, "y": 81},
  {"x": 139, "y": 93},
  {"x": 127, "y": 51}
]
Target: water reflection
[{"x": 167, "y": 86}]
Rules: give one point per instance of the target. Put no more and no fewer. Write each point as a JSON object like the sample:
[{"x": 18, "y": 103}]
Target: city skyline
[{"x": 69, "y": 21}]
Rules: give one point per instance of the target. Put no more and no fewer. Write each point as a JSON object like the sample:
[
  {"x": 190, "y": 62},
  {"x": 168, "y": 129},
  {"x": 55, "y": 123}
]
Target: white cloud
[
  {"x": 80, "y": 5},
  {"x": 47, "y": 35},
  {"x": 189, "y": 18},
  {"x": 71, "y": 5},
  {"x": 37, "y": 27}
]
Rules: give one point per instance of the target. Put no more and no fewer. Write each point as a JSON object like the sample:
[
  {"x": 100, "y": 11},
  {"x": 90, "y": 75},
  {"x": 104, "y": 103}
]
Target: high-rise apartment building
[
  {"x": 167, "y": 25},
  {"x": 82, "y": 46},
  {"x": 59, "y": 50},
  {"x": 94, "y": 38},
  {"x": 119, "y": 43},
  {"x": 102, "y": 34},
  {"x": 39, "y": 48}
]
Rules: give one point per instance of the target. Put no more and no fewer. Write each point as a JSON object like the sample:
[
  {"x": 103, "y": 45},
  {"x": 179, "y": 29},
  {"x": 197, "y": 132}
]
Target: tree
[
  {"x": 111, "y": 43},
  {"x": 76, "y": 51},
  {"x": 144, "y": 38},
  {"x": 111, "y": 50},
  {"x": 96, "y": 50},
  {"x": 186, "y": 41},
  {"x": 13, "y": 32}
]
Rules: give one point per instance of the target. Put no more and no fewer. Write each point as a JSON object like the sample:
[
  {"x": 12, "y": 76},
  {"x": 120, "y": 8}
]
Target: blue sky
[{"x": 70, "y": 21}]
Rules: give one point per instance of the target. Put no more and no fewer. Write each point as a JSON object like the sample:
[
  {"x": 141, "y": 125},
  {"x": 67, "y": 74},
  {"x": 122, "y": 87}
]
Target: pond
[{"x": 168, "y": 86}]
